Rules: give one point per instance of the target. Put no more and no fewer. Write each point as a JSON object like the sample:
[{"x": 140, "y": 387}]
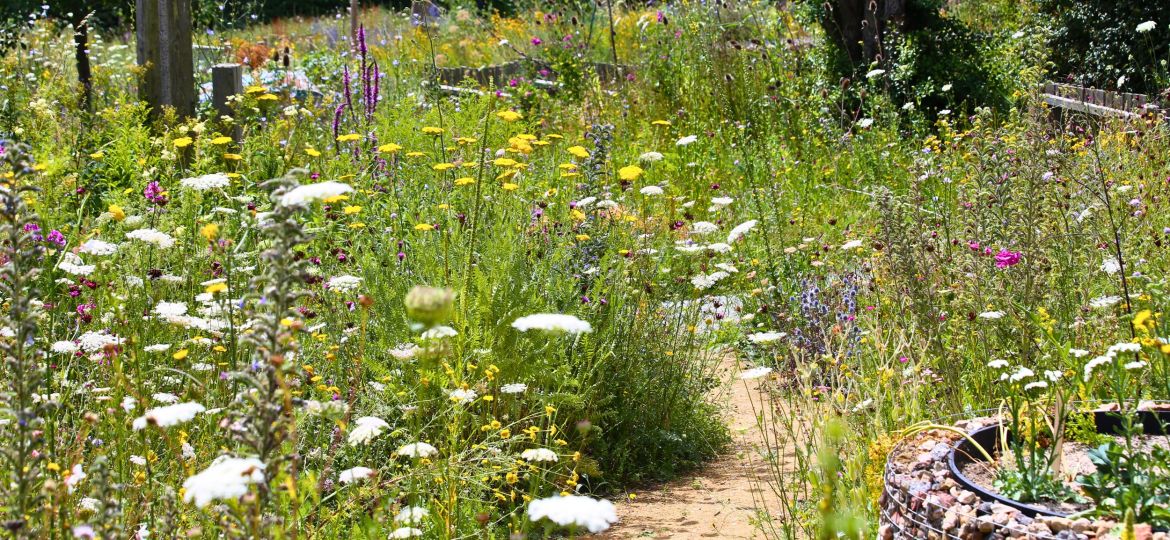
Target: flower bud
[{"x": 430, "y": 305}]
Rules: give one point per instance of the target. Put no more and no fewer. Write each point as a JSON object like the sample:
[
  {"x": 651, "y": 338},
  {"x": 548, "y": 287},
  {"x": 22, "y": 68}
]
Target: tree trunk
[
  {"x": 84, "y": 72},
  {"x": 859, "y": 26}
]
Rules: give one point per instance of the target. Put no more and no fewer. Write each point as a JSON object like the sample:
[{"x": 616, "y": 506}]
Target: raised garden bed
[{"x": 929, "y": 493}]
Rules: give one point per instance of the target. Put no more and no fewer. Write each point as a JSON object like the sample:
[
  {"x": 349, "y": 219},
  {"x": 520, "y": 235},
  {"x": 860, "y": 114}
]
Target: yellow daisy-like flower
[
  {"x": 389, "y": 148},
  {"x": 508, "y": 186},
  {"x": 430, "y": 130},
  {"x": 509, "y": 116},
  {"x": 504, "y": 162},
  {"x": 661, "y": 122},
  {"x": 568, "y": 166},
  {"x": 630, "y": 172},
  {"x": 554, "y": 136},
  {"x": 268, "y": 97},
  {"x": 217, "y": 287},
  {"x": 348, "y": 137},
  {"x": 582, "y": 237},
  {"x": 312, "y": 152},
  {"x": 578, "y": 151},
  {"x": 443, "y": 166},
  {"x": 218, "y": 141},
  {"x": 540, "y": 143},
  {"x": 526, "y": 137},
  {"x": 180, "y": 354},
  {"x": 335, "y": 198},
  {"x": 466, "y": 140},
  {"x": 424, "y": 227},
  {"x": 349, "y": 210},
  {"x": 465, "y": 181},
  {"x": 183, "y": 142},
  {"x": 117, "y": 212},
  {"x": 233, "y": 157},
  {"x": 255, "y": 89}
]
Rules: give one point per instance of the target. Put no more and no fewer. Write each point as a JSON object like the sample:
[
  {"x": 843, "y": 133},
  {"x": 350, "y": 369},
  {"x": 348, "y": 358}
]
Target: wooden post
[
  {"x": 354, "y": 23},
  {"x": 227, "y": 80},
  {"x": 164, "y": 51}
]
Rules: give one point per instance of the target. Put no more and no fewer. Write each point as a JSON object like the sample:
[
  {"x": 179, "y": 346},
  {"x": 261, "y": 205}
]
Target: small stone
[
  {"x": 1081, "y": 526},
  {"x": 1056, "y": 524},
  {"x": 1143, "y": 531},
  {"x": 967, "y": 497},
  {"x": 1040, "y": 529},
  {"x": 886, "y": 532},
  {"x": 985, "y": 524}
]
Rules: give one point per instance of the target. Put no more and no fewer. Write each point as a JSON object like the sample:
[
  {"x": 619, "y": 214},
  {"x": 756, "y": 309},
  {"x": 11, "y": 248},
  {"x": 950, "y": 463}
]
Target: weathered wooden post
[
  {"x": 354, "y": 21},
  {"x": 164, "y": 51},
  {"x": 227, "y": 80}
]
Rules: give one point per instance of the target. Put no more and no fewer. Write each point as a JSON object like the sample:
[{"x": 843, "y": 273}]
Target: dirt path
[{"x": 721, "y": 499}]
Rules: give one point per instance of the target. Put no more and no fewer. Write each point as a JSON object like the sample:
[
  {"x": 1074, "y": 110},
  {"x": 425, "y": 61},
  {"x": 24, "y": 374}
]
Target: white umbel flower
[
  {"x": 761, "y": 338},
  {"x": 365, "y": 429},
  {"x": 170, "y": 415},
  {"x": 405, "y": 532},
  {"x": 686, "y": 141},
  {"x": 651, "y": 190},
  {"x": 153, "y": 237},
  {"x": 552, "y": 322},
  {"x": 1147, "y": 26},
  {"x": 206, "y": 182},
  {"x": 539, "y": 455},
  {"x": 576, "y": 511},
  {"x": 417, "y": 450},
  {"x": 226, "y": 478},
  {"x": 411, "y": 515},
  {"x": 514, "y": 388},
  {"x": 72, "y": 264},
  {"x": 93, "y": 246},
  {"x": 170, "y": 309},
  {"x": 344, "y": 284},
  {"x": 310, "y": 193},
  {"x": 755, "y": 373},
  {"x": 703, "y": 227},
  {"x": 740, "y": 230},
  {"x": 355, "y": 474}
]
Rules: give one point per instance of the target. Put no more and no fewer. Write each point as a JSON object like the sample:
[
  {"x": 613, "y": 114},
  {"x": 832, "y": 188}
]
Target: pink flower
[{"x": 1006, "y": 258}]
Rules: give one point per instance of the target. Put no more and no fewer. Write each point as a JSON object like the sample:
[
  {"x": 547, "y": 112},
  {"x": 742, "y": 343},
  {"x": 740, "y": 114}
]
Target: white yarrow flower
[
  {"x": 761, "y": 338},
  {"x": 1147, "y": 26},
  {"x": 651, "y": 190},
  {"x": 93, "y": 246}
]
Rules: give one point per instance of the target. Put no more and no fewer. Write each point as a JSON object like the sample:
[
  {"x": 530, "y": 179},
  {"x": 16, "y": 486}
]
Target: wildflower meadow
[{"x": 584, "y": 269}]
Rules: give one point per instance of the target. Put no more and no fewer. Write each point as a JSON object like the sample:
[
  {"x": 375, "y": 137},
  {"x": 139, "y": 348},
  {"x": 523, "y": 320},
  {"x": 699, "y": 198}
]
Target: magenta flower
[
  {"x": 1006, "y": 258},
  {"x": 536, "y": 41}
]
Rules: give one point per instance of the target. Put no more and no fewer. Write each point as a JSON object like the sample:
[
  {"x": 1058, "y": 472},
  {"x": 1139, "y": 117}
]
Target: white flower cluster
[
  {"x": 206, "y": 182},
  {"x": 552, "y": 323},
  {"x": 576, "y": 511}
]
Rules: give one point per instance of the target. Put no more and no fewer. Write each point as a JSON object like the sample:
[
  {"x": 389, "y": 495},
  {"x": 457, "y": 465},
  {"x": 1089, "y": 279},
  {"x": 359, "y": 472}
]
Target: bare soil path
[{"x": 720, "y": 500}]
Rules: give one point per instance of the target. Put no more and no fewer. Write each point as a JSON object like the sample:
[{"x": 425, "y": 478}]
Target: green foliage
[
  {"x": 1096, "y": 43},
  {"x": 1130, "y": 480}
]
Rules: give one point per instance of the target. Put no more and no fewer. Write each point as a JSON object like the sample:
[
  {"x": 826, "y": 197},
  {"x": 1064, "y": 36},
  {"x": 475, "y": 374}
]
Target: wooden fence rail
[{"x": 1097, "y": 102}]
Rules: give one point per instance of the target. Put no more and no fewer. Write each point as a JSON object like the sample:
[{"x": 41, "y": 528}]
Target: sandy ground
[{"x": 721, "y": 499}]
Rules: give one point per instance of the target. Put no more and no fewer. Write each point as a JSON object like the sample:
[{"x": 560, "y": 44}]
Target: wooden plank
[
  {"x": 165, "y": 52},
  {"x": 1085, "y": 107}
]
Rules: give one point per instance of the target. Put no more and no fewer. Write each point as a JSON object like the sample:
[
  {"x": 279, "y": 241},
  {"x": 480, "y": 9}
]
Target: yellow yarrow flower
[
  {"x": 509, "y": 116},
  {"x": 117, "y": 212},
  {"x": 424, "y": 227},
  {"x": 350, "y": 210},
  {"x": 389, "y": 148},
  {"x": 578, "y": 151},
  {"x": 348, "y": 137},
  {"x": 219, "y": 141},
  {"x": 630, "y": 172},
  {"x": 443, "y": 166},
  {"x": 209, "y": 231},
  {"x": 182, "y": 142},
  {"x": 429, "y": 130},
  {"x": 465, "y": 181}
]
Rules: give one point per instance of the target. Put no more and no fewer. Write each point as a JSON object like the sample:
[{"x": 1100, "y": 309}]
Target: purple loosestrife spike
[{"x": 347, "y": 88}]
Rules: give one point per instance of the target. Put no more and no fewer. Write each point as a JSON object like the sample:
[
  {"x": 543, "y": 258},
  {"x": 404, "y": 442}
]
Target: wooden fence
[{"x": 1097, "y": 102}]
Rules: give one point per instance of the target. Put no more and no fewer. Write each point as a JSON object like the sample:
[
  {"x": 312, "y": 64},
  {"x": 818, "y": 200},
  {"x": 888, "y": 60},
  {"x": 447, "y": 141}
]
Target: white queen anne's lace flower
[
  {"x": 741, "y": 230},
  {"x": 761, "y": 338},
  {"x": 594, "y": 515},
  {"x": 539, "y": 455},
  {"x": 365, "y": 429},
  {"x": 514, "y": 388},
  {"x": 226, "y": 478},
  {"x": 206, "y": 182},
  {"x": 170, "y": 415},
  {"x": 344, "y": 284},
  {"x": 93, "y": 246},
  {"x": 552, "y": 322},
  {"x": 417, "y": 450},
  {"x": 355, "y": 474},
  {"x": 755, "y": 373},
  {"x": 154, "y": 237},
  {"x": 310, "y": 193}
]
